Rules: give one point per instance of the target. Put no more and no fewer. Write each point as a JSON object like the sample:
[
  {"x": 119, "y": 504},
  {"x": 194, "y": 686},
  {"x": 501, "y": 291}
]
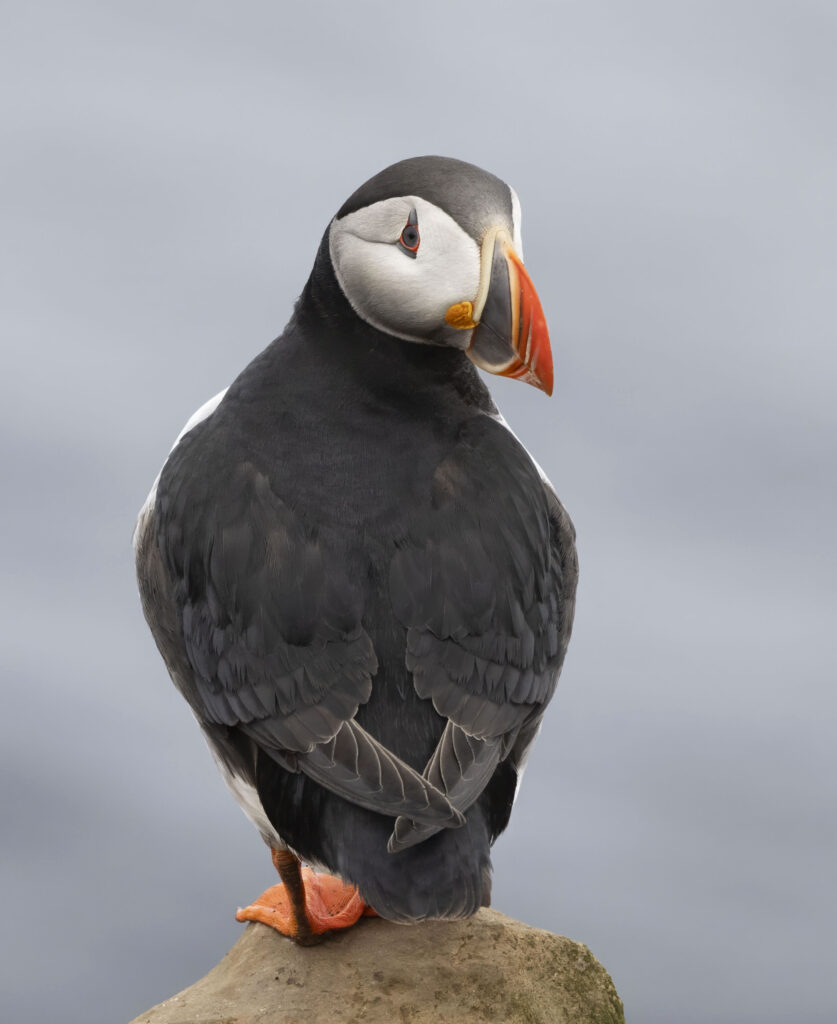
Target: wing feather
[
  {"x": 272, "y": 626},
  {"x": 362, "y": 770},
  {"x": 460, "y": 767},
  {"x": 485, "y": 585}
]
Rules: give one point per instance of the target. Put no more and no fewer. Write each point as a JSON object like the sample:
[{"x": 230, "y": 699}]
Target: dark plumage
[{"x": 364, "y": 589}]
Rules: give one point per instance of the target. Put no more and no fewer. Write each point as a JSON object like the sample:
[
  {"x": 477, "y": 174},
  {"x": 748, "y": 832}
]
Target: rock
[{"x": 489, "y": 968}]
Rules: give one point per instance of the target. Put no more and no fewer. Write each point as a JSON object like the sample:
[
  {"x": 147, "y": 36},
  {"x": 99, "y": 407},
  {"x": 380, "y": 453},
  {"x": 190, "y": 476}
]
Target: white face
[{"x": 402, "y": 293}]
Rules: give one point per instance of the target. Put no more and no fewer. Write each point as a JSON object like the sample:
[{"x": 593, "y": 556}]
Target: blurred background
[{"x": 167, "y": 172}]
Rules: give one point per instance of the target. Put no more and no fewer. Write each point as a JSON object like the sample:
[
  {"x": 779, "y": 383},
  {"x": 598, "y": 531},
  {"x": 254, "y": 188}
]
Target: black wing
[
  {"x": 485, "y": 584},
  {"x": 271, "y": 623}
]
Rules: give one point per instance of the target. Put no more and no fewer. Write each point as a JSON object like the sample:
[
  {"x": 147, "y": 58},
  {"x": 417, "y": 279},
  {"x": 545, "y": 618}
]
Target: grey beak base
[{"x": 491, "y": 341}]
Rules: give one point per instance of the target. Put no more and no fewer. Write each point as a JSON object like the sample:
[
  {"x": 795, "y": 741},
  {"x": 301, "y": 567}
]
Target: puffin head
[{"x": 429, "y": 251}]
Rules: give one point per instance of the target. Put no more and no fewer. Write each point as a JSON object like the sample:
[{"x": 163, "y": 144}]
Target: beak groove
[{"x": 511, "y": 337}]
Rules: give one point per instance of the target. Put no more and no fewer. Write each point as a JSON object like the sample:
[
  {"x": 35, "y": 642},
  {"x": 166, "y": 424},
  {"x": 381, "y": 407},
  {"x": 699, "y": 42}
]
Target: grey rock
[{"x": 488, "y": 968}]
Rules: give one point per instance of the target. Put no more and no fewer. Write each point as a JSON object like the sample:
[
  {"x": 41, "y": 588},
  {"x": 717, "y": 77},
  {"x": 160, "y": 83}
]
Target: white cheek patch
[
  {"x": 387, "y": 288},
  {"x": 381, "y": 222}
]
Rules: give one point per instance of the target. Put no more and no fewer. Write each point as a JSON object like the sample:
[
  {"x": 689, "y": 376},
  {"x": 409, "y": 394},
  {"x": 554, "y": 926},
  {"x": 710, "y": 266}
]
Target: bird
[{"x": 357, "y": 576}]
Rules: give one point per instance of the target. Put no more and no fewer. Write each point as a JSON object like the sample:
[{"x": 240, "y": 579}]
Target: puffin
[{"x": 357, "y": 576}]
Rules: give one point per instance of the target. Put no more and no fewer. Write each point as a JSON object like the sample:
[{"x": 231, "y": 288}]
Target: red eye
[{"x": 410, "y": 239}]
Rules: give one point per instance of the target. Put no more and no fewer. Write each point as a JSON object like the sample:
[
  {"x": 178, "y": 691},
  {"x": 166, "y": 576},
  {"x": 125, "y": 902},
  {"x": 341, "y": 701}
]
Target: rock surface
[{"x": 489, "y": 968}]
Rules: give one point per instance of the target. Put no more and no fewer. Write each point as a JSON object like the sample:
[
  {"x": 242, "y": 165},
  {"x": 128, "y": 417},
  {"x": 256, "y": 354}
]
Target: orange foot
[{"x": 329, "y": 905}]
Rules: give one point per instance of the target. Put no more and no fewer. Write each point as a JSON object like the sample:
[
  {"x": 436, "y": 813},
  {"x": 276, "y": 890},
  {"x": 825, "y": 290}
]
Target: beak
[{"x": 510, "y": 335}]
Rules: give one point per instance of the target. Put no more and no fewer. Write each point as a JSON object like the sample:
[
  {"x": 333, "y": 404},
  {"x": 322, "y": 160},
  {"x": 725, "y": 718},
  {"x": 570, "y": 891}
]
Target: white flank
[
  {"x": 498, "y": 416},
  {"x": 197, "y": 417},
  {"x": 248, "y": 800},
  {"x": 524, "y": 760}
]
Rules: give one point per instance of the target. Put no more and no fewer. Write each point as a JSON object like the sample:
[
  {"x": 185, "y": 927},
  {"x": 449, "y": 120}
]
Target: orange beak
[{"x": 510, "y": 336}]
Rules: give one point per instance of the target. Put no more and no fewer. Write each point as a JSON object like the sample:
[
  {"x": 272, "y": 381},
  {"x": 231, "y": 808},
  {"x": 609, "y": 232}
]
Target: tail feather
[{"x": 447, "y": 876}]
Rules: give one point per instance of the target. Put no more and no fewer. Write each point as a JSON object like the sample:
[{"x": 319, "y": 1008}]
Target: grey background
[{"x": 167, "y": 171}]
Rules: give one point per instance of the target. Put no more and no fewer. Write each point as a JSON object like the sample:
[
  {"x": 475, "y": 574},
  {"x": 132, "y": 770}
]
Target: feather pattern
[
  {"x": 480, "y": 591},
  {"x": 460, "y": 768},
  {"x": 287, "y": 664}
]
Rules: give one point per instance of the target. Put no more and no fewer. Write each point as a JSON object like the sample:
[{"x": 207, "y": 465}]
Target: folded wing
[
  {"x": 485, "y": 585},
  {"x": 271, "y": 622}
]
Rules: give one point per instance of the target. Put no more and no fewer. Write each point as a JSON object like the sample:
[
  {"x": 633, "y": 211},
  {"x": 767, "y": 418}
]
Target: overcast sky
[{"x": 167, "y": 171}]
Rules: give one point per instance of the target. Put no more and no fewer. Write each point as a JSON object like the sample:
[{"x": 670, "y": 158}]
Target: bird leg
[{"x": 306, "y": 905}]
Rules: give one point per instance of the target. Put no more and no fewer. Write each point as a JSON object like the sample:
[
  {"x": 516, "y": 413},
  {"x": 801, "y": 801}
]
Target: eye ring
[{"x": 410, "y": 239}]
